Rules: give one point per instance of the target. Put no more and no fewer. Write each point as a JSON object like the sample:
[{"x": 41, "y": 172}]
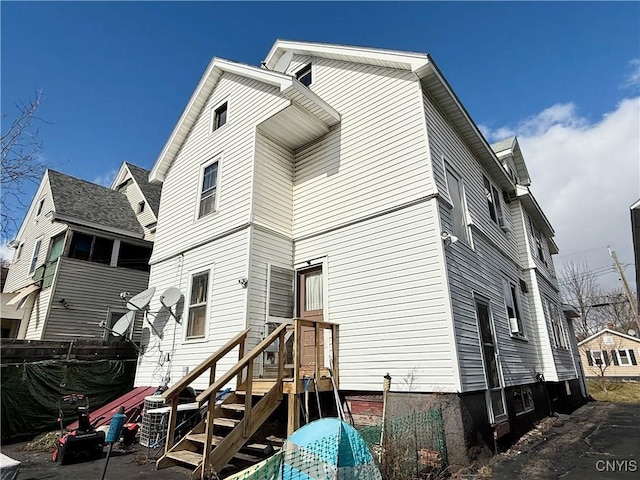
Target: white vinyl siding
[
  {"x": 38, "y": 318},
  {"x": 181, "y": 189},
  {"x": 135, "y": 196},
  {"x": 226, "y": 311},
  {"x": 385, "y": 290},
  {"x": 376, "y": 159}
]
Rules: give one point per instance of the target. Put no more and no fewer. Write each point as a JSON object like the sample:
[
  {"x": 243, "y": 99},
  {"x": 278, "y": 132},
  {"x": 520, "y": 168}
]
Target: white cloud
[
  {"x": 585, "y": 176},
  {"x": 6, "y": 252},
  {"x": 633, "y": 78},
  {"x": 106, "y": 179}
]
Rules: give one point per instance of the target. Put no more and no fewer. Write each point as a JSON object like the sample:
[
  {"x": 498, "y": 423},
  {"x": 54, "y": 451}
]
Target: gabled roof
[
  {"x": 288, "y": 86},
  {"x": 510, "y": 146},
  {"x": 151, "y": 192},
  {"x": 607, "y": 330},
  {"x": 85, "y": 203},
  {"x": 431, "y": 78}
]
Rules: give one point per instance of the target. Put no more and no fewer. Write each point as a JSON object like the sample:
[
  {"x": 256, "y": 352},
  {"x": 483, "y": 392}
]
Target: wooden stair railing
[
  {"x": 171, "y": 394},
  {"x": 241, "y": 430}
]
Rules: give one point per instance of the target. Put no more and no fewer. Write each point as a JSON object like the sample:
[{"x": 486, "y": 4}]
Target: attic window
[
  {"x": 141, "y": 207},
  {"x": 220, "y": 116},
  {"x": 40, "y": 205},
  {"x": 304, "y": 75}
]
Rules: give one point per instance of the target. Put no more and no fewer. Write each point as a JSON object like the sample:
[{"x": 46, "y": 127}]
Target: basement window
[
  {"x": 523, "y": 400},
  {"x": 304, "y": 75}
]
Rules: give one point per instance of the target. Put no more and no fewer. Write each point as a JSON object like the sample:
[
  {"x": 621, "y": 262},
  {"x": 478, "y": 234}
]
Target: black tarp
[{"x": 30, "y": 392}]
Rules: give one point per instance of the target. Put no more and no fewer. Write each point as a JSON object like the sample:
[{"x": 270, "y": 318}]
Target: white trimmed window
[
  {"x": 597, "y": 358},
  {"x": 19, "y": 252},
  {"x": 458, "y": 215},
  {"x": 553, "y": 314},
  {"x": 494, "y": 203},
  {"x": 34, "y": 257},
  {"x": 511, "y": 301},
  {"x": 198, "y": 301},
  {"x": 304, "y": 75},
  {"x": 220, "y": 116},
  {"x": 523, "y": 399},
  {"x": 625, "y": 357},
  {"x": 40, "y": 205},
  {"x": 208, "y": 189},
  {"x": 537, "y": 239},
  {"x": 280, "y": 294}
]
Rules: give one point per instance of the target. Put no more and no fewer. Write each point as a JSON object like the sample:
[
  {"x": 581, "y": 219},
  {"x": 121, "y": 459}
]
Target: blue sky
[{"x": 116, "y": 77}]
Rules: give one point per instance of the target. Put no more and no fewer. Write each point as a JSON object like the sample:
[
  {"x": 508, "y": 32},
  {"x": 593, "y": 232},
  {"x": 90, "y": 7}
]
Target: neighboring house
[
  {"x": 611, "y": 354},
  {"x": 350, "y": 184},
  {"x": 79, "y": 246}
]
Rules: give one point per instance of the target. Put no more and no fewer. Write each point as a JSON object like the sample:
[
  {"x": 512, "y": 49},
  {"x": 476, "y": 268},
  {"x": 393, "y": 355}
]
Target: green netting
[
  {"x": 414, "y": 445},
  {"x": 30, "y": 391}
]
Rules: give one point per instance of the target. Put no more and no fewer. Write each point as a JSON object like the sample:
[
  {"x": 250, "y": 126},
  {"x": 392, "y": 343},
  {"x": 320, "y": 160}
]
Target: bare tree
[
  {"x": 20, "y": 145},
  {"x": 612, "y": 309},
  {"x": 580, "y": 289}
]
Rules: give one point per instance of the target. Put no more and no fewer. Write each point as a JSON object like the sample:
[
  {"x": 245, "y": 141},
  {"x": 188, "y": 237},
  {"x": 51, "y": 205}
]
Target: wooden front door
[{"x": 311, "y": 307}]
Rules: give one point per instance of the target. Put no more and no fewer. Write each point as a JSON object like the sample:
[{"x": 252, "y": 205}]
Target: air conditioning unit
[
  {"x": 504, "y": 222},
  {"x": 513, "y": 324}
]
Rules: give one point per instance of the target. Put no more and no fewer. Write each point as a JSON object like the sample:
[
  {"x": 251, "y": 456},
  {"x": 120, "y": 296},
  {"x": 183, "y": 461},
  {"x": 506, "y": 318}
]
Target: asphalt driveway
[{"x": 598, "y": 441}]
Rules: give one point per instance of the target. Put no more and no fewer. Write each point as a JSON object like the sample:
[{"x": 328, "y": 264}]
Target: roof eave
[{"x": 533, "y": 208}]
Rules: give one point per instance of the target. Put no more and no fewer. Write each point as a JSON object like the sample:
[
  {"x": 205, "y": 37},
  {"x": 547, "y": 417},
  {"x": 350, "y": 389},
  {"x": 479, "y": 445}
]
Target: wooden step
[
  {"x": 186, "y": 456},
  {"x": 201, "y": 438},
  {"x": 225, "y": 422},
  {"x": 236, "y": 407},
  {"x": 254, "y": 393},
  {"x": 245, "y": 459}
]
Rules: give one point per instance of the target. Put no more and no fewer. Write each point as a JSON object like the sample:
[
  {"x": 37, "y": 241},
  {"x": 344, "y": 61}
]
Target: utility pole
[{"x": 632, "y": 300}]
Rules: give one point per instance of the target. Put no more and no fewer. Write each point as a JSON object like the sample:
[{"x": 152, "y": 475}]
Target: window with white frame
[
  {"x": 559, "y": 334},
  {"x": 458, "y": 216},
  {"x": 304, "y": 75},
  {"x": 597, "y": 357},
  {"x": 40, "y": 205},
  {"x": 198, "y": 300},
  {"x": 625, "y": 357},
  {"x": 523, "y": 399},
  {"x": 34, "y": 257},
  {"x": 493, "y": 200},
  {"x": 511, "y": 300},
  {"x": 208, "y": 190},
  {"x": 537, "y": 238},
  {"x": 18, "y": 252},
  {"x": 220, "y": 116}
]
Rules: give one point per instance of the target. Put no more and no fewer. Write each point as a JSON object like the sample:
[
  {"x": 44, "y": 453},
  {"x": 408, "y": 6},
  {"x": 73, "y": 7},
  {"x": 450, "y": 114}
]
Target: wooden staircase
[{"x": 228, "y": 426}]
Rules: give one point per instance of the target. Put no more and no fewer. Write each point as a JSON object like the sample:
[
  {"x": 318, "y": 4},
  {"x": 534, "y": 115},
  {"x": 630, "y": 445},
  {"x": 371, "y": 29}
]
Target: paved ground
[
  {"x": 123, "y": 465},
  {"x": 598, "y": 441}
]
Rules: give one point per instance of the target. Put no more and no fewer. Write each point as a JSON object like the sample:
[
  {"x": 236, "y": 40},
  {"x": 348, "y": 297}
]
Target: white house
[
  {"x": 350, "y": 184},
  {"x": 80, "y": 245}
]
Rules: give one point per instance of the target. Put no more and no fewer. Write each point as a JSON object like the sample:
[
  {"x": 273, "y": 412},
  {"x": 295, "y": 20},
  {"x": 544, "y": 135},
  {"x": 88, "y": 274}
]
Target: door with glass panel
[
  {"x": 310, "y": 306},
  {"x": 491, "y": 363}
]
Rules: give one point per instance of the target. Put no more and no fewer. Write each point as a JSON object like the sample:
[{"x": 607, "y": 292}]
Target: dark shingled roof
[
  {"x": 150, "y": 191},
  {"x": 93, "y": 203}
]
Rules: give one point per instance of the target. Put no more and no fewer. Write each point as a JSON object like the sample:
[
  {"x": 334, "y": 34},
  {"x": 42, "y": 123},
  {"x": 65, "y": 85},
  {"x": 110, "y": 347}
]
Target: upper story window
[
  {"x": 512, "y": 300},
  {"x": 56, "y": 247},
  {"x": 207, "y": 203},
  {"x": 34, "y": 257},
  {"x": 304, "y": 75},
  {"x": 40, "y": 206},
  {"x": 458, "y": 215},
  {"x": 220, "y": 116},
  {"x": 559, "y": 335},
  {"x": 494, "y": 203},
  {"x": 537, "y": 239},
  {"x": 91, "y": 248},
  {"x": 18, "y": 252},
  {"x": 198, "y": 305},
  {"x": 141, "y": 206},
  {"x": 134, "y": 256}
]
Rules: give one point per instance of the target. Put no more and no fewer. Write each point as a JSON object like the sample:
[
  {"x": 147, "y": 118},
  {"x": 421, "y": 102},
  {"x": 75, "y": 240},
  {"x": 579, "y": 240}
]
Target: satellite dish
[
  {"x": 141, "y": 300},
  {"x": 170, "y": 297},
  {"x": 124, "y": 323},
  {"x": 632, "y": 332}
]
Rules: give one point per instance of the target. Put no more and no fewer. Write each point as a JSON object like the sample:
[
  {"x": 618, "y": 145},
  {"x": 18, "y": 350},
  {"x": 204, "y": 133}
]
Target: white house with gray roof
[
  {"x": 350, "y": 184},
  {"x": 80, "y": 245}
]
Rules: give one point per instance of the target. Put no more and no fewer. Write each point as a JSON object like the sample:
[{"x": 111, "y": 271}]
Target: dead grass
[{"x": 613, "y": 391}]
